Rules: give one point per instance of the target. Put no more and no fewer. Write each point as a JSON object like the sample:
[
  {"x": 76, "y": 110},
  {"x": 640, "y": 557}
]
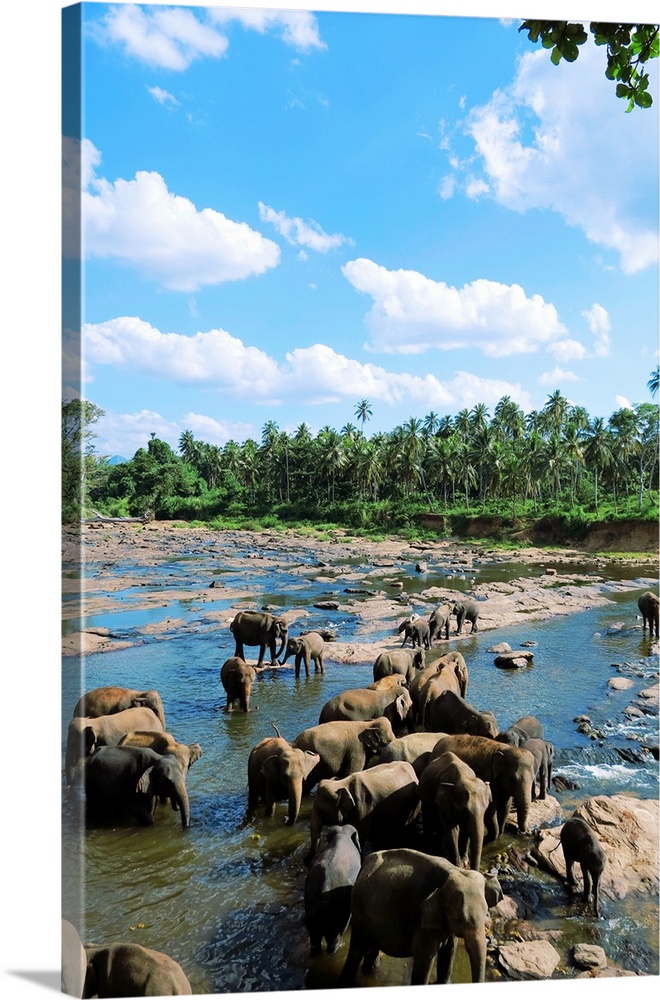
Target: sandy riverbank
[{"x": 127, "y": 565}]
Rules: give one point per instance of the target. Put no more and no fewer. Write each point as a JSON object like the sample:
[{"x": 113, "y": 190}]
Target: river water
[{"x": 224, "y": 898}]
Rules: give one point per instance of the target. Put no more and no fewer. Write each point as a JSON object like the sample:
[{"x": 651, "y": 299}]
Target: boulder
[
  {"x": 529, "y": 959},
  {"x": 628, "y": 832},
  {"x": 499, "y": 647},
  {"x": 514, "y": 659},
  {"x": 421, "y": 567},
  {"x": 589, "y": 956},
  {"x": 620, "y": 683}
]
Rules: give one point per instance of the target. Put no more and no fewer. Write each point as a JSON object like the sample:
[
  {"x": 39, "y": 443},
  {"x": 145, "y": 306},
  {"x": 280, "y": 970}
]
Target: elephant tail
[{"x": 276, "y": 730}]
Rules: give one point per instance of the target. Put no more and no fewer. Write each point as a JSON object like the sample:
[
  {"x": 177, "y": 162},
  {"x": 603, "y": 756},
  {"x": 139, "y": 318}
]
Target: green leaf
[
  {"x": 623, "y": 90},
  {"x": 555, "y": 56}
]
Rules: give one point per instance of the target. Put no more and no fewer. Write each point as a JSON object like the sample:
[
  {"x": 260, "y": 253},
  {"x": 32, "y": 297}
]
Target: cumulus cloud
[
  {"x": 123, "y": 433},
  {"x": 599, "y": 323},
  {"x": 300, "y": 233},
  {"x": 315, "y": 375},
  {"x": 412, "y": 313},
  {"x": 567, "y": 350},
  {"x": 558, "y": 375},
  {"x": 297, "y": 28},
  {"x": 554, "y": 140},
  {"x": 215, "y": 431},
  {"x": 167, "y": 37},
  {"x": 622, "y": 403},
  {"x": 162, "y": 96},
  {"x": 142, "y": 224}
]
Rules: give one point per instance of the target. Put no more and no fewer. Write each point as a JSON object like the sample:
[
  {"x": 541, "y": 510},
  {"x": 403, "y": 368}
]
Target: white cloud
[
  {"x": 412, "y": 313},
  {"x": 162, "y": 96},
  {"x": 622, "y": 403},
  {"x": 447, "y": 187},
  {"x": 558, "y": 375},
  {"x": 214, "y": 431},
  {"x": 599, "y": 323},
  {"x": 314, "y": 375},
  {"x": 476, "y": 187},
  {"x": 123, "y": 433},
  {"x": 166, "y": 37},
  {"x": 165, "y": 237},
  {"x": 559, "y": 139},
  {"x": 297, "y": 28},
  {"x": 300, "y": 233},
  {"x": 567, "y": 350}
]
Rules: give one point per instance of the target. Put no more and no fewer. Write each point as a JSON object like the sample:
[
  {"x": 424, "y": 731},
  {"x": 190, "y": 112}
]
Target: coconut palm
[
  {"x": 363, "y": 412},
  {"x": 654, "y": 381},
  {"x": 598, "y": 452}
]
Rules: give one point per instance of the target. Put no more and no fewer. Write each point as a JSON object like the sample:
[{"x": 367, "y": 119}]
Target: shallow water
[{"x": 225, "y": 899}]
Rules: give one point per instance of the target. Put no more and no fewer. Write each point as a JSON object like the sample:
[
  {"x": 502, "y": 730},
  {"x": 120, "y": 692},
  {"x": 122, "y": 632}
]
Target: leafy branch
[{"x": 629, "y": 48}]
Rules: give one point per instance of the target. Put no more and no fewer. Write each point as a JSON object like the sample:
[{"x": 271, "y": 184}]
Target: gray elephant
[
  {"x": 259, "y": 628},
  {"x": 404, "y": 663},
  {"x": 130, "y": 970},
  {"x": 164, "y": 743},
  {"x": 86, "y": 734},
  {"x": 276, "y": 771},
  {"x": 418, "y": 633},
  {"x": 344, "y": 747},
  {"x": 361, "y": 704},
  {"x": 328, "y": 884},
  {"x": 74, "y": 961},
  {"x": 408, "y": 904},
  {"x": 131, "y": 779},
  {"x": 580, "y": 844},
  {"x": 387, "y": 682},
  {"x": 510, "y": 771},
  {"x": 445, "y": 679},
  {"x": 649, "y": 608},
  {"x": 465, "y": 611},
  {"x": 108, "y": 700},
  {"x": 543, "y": 752},
  {"x": 415, "y": 748},
  {"x": 439, "y": 622},
  {"x": 305, "y": 648},
  {"x": 237, "y": 678},
  {"x": 449, "y": 713},
  {"x": 380, "y": 803},
  {"x": 517, "y": 734},
  {"x": 454, "y": 803},
  {"x": 406, "y": 622}
]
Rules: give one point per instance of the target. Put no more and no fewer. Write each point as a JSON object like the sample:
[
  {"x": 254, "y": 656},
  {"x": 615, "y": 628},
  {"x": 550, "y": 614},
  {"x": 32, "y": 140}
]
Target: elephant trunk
[
  {"x": 285, "y": 635},
  {"x": 476, "y": 835},
  {"x": 474, "y": 940},
  {"x": 180, "y": 801},
  {"x": 285, "y": 657},
  {"x": 295, "y": 798}
]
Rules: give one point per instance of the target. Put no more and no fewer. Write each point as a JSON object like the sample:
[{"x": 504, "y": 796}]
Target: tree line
[{"x": 507, "y": 463}]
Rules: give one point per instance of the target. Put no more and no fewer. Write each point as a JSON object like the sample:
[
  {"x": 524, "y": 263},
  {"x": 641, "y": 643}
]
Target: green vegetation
[
  {"x": 556, "y": 466},
  {"x": 628, "y": 48}
]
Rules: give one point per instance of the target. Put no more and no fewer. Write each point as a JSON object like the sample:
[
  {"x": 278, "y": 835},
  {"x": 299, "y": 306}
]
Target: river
[{"x": 225, "y": 899}]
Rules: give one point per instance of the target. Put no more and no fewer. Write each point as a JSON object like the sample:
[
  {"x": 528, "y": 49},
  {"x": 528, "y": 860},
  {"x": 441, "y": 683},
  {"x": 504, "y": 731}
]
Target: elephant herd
[
  {"x": 122, "y": 760},
  {"x": 409, "y": 780}
]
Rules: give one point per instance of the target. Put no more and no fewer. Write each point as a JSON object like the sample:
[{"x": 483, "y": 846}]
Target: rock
[
  {"x": 514, "y": 659},
  {"x": 561, "y": 783},
  {"x": 632, "y": 712},
  {"x": 542, "y": 812},
  {"x": 500, "y": 647},
  {"x": 620, "y": 683},
  {"x": 327, "y": 605},
  {"x": 421, "y": 567},
  {"x": 506, "y": 909},
  {"x": 529, "y": 642},
  {"x": 359, "y": 590},
  {"x": 551, "y": 572},
  {"x": 589, "y": 956},
  {"x": 396, "y": 584},
  {"x": 529, "y": 959},
  {"x": 582, "y": 718},
  {"x": 628, "y": 831}
]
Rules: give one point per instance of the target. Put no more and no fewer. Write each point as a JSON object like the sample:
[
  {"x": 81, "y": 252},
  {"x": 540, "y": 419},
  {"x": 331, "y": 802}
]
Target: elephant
[
  {"x": 454, "y": 803},
  {"x": 517, "y": 734},
  {"x": 415, "y": 748},
  {"x": 402, "y": 663},
  {"x": 164, "y": 743},
  {"x": 276, "y": 771},
  {"x": 510, "y": 771},
  {"x": 131, "y": 970},
  {"x": 465, "y": 611},
  {"x": 543, "y": 752},
  {"x": 449, "y": 713},
  {"x": 380, "y": 803},
  {"x": 418, "y": 633},
  {"x": 237, "y": 678},
  {"x": 649, "y": 607},
  {"x": 580, "y": 844},
  {"x": 387, "y": 682},
  {"x": 305, "y": 648},
  {"x": 439, "y": 622},
  {"x": 74, "y": 961},
  {"x": 130, "y": 779},
  {"x": 406, "y": 622},
  {"x": 361, "y": 704},
  {"x": 445, "y": 679},
  {"x": 108, "y": 700},
  {"x": 408, "y": 904},
  {"x": 344, "y": 747},
  {"x": 259, "y": 628},
  {"x": 328, "y": 884},
  {"x": 86, "y": 734}
]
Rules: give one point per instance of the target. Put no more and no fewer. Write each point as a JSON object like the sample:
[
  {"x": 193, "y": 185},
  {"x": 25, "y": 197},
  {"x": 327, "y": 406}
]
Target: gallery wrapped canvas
[{"x": 359, "y": 500}]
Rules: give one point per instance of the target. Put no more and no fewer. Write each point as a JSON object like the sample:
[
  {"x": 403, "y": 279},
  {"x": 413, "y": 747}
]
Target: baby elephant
[
  {"x": 305, "y": 648},
  {"x": 237, "y": 678},
  {"x": 580, "y": 844},
  {"x": 328, "y": 886},
  {"x": 130, "y": 970},
  {"x": 418, "y": 633}
]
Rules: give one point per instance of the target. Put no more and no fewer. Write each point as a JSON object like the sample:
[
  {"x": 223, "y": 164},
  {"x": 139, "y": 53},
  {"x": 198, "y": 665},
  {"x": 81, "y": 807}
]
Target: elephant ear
[
  {"x": 370, "y": 738},
  {"x": 431, "y": 912},
  {"x": 345, "y": 802},
  {"x": 309, "y": 762},
  {"x": 499, "y": 761},
  {"x": 145, "y": 785},
  {"x": 195, "y": 753},
  {"x": 271, "y": 767},
  {"x": 89, "y": 740},
  {"x": 402, "y": 704}
]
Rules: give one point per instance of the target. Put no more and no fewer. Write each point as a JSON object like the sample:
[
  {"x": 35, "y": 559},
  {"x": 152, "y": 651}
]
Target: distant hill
[{"x": 117, "y": 460}]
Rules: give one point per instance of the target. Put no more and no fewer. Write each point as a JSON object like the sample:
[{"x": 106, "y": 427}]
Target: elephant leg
[
  {"x": 474, "y": 940},
  {"x": 543, "y": 781},
  {"x": 297, "y": 664},
  {"x": 570, "y": 874},
  {"x": 273, "y": 653},
  {"x": 356, "y": 952},
  {"x": 333, "y": 943},
  {"x": 239, "y": 648},
  {"x": 586, "y": 878},
  {"x": 269, "y": 802},
  {"x": 596, "y": 881},
  {"x": 371, "y": 959},
  {"x": 446, "y": 952},
  {"x": 452, "y": 849},
  {"x": 423, "y": 951},
  {"x": 306, "y": 662}
]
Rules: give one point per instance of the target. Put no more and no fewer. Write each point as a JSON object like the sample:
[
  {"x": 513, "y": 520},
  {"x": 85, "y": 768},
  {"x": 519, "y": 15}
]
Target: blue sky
[{"x": 287, "y": 212}]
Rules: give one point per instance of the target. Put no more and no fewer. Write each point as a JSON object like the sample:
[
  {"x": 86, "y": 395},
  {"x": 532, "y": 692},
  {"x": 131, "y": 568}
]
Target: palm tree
[
  {"x": 598, "y": 452},
  {"x": 555, "y": 411},
  {"x": 431, "y": 423},
  {"x": 363, "y": 412},
  {"x": 654, "y": 381},
  {"x": 331, "y": 456}
]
